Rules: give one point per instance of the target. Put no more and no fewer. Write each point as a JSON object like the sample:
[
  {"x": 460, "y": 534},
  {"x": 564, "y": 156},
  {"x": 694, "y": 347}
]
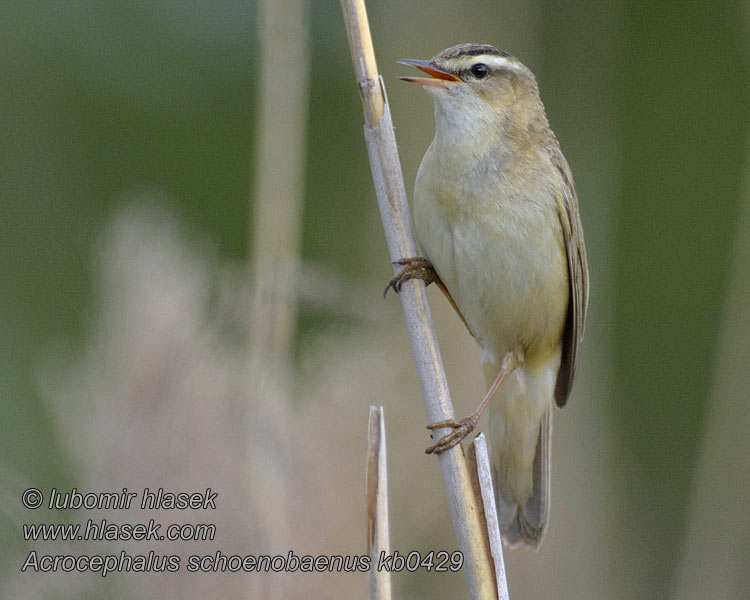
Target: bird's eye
[{"x": 480, "y": 70}]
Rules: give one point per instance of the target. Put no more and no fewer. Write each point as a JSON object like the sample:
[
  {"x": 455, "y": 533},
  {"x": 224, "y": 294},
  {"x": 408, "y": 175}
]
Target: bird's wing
[
  {"x": 578, "y": 275},
  {"x": 452, "y": 302}
]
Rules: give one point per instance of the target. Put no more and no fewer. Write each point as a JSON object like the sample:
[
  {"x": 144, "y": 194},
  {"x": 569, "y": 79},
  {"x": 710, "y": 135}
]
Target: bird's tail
[
  {"x": 526, "y": 523},
  {"x": 520, "y": 431}
]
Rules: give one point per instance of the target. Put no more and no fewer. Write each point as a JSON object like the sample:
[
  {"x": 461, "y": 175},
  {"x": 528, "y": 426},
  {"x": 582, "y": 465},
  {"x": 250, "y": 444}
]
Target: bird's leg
[
  {"x": 466, "y": 425},
  {"x": 414, "y": 268}
]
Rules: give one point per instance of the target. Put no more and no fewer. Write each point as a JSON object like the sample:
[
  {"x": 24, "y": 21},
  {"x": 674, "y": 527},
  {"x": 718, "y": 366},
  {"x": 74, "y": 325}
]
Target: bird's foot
[
  {"x": 414, "y": 268},
  {"x": 460, "y": 428}
]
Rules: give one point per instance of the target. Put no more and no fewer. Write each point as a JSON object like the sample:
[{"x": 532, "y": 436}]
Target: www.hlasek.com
[
  {"x": 218, "y": 562},
  {"x": 104, "y": 530}
]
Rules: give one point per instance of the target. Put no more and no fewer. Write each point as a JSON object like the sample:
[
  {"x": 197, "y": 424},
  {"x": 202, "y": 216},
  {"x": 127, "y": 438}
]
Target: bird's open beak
[{"x": 439, "y": 78}]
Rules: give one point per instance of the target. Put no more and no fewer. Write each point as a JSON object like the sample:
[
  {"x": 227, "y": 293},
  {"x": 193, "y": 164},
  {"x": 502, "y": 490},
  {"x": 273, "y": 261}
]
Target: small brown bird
[{"x": 497, "y": 218}]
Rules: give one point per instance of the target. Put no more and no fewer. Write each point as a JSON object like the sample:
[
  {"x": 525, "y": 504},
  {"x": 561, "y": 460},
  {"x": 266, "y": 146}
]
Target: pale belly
[{"x": 505, "y": 266}]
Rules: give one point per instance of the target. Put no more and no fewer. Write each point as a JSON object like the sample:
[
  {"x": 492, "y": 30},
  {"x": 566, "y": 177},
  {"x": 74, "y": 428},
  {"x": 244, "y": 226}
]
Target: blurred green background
[{"x": 103, "y": 101}]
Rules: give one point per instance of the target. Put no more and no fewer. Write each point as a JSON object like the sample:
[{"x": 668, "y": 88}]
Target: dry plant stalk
[
  {"x": 279, "y": 171},
  {"x": 276, "y": 236},
  {"x": 394, "y": 211},
  {"x": 378, "y": 539},
  {"x": 479, "y": 457},
  {"x": 719, "y": 481}
]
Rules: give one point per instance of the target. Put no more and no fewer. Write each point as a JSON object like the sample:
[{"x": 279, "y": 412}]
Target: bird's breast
[{"x": 497, "y": 245}]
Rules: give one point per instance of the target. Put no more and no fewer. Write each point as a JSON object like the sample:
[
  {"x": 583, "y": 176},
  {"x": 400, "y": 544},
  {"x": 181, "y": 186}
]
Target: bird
[{"x": 497, "y": 218}]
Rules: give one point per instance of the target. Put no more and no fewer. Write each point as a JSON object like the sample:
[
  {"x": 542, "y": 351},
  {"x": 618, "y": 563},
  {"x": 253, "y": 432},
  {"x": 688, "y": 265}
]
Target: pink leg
[{"x": 466, "y": 425}]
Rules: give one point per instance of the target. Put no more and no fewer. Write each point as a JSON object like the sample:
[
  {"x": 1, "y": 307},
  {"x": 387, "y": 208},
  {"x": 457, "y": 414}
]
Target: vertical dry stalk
[
  {"x": 719, "y": 520},
  {"x": 276, "y": 234},
  {"x": 378, "y": 539},
  {"x": 389, "y": 187},
  {"x": 279, "y": 172},
  {"x": 479, "y": 457}
]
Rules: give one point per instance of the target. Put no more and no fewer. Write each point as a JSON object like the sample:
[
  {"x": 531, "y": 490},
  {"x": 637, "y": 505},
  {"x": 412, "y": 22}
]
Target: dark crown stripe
[{"x": 474, "y": 50}]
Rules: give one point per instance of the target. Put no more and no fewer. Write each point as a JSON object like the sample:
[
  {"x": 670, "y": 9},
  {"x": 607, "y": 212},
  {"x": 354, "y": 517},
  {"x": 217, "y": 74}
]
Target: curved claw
[
  {"x": 394, "y": 282},
  {"x": 414, "y": 268},
  {"x": 461, "y": 429}
]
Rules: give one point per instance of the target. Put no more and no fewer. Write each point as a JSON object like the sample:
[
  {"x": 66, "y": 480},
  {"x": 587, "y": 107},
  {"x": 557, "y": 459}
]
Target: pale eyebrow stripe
[{"x": 500, "y": 62}]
